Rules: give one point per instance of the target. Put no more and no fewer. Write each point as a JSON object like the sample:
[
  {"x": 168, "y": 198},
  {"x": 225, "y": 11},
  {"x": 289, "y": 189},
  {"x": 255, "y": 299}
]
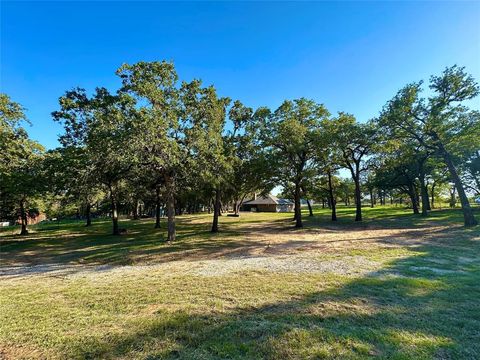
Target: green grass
[{"x": 421, "y": 302}]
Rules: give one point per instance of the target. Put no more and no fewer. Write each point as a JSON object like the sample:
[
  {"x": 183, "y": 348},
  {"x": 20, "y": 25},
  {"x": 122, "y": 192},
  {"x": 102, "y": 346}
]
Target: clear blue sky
[{"x": 351, "y": 56}]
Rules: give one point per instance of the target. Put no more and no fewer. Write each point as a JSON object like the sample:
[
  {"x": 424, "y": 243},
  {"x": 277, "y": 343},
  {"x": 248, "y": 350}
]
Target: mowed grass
[{"x": 417, "y": 299}]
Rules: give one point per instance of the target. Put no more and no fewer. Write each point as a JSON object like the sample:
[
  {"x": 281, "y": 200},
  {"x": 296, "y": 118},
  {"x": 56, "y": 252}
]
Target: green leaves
[
  {"x": 440, "y": 119},
  {"x": 289, "y": 134},
  {"x": 21, "y": 170}
]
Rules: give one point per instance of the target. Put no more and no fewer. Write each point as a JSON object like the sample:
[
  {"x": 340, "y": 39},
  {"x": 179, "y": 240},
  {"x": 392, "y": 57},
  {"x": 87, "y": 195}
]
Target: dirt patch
[
  {"x": 268, "y": 246},
  {"x": 348, "y": 265},
  {"x": 11, "y": 352}
]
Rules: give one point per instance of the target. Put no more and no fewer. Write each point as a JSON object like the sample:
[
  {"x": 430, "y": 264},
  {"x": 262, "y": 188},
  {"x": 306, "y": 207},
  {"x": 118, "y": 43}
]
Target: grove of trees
[{"x": 160, "y": 145}]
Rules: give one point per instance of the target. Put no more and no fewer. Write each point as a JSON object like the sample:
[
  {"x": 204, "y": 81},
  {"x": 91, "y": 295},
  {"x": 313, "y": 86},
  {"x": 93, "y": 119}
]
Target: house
[
  {"x": 32, "y": 218},
  {"x": 268, "y": 203}
]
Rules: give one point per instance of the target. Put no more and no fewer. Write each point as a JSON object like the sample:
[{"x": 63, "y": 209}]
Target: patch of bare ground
[
  {"x": 272, "y": 240},
  {"x": 18, "y": 352},
  {"x": 348, "y": 265},
  {"x": 266, "y": 246}
]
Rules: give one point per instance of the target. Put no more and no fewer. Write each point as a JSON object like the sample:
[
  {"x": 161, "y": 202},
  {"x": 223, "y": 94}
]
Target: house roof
[
  {"x": 267, "y": 200},
  {"x": 284, "y": 202}
]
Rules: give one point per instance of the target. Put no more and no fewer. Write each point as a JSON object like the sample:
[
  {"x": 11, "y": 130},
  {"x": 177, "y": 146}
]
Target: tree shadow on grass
[
  {"x": 420, "y": 307},
  {"x": 74, "y": 244},
  {"x": 385, "y": 218}
]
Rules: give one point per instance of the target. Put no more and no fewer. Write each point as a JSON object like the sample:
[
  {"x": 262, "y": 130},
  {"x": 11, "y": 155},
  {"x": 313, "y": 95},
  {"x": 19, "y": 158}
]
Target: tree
[
  {"x": 355, "y": 140},
  {"x": 250, "y": 172},
  {"x": 102, "y": 126},
  {"x": 178, "y": 127},
  {"x": 407, "y": 154},
  {"x": 440, "y": 123},
  {"x": 71, "y": 176},
  {"x": 422, "y": 161},
  {"x": 157, "y": 129},
  {"x": 206, "y": 113},
  {"x": 12, "y": 136},
  {"x": 398, "y": 168},
  {"x": 346, "y": 189},
  {"x": 473, "y": 171},
  {"x": 21, "y": 159},
  {"x": 437, "y": 179},
  {"x": 289, "y": 135},
  {"x": 328, "y": 160}
]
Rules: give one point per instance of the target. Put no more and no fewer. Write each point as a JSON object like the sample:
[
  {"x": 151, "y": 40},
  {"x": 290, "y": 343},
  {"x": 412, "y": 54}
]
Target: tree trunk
[
  {"x": 88, "y": 214},
  {"x": 413, "y": 198},
  {"x": 216, "y": 211},
  {"x": 170, "y": 186},
  {"x": 23, "y": 218},
  {"x": 358, "y": 199},
  {"x": 372, "y": 200},
  {"x": 157, "y": 208},
  {"x": 417, "y": 195},
  {"x": 433, "y": 196},
  {"x": 135, "y": 210},
  {"x": 453, "y": 200},
  {"x": 332, "y": 197},
  {"x": 310, "y": 210},
  {"x": 423, "y": 192},
  {"x": 238, "y": 205},
  {"x": 468, "y": 218},
  {"x": 429, "y": 207},
  {"x": 116, "y": 230},
  {"x": 355, "y": 172},
  {"x": 298, "y": 208}
]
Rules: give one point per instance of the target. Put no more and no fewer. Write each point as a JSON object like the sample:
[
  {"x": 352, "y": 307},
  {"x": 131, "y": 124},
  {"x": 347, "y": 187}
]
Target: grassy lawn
[{"x": 396, "y": 286}]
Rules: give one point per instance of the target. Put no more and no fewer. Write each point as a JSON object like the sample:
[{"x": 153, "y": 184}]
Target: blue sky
[{"x": 351, "y": 56}]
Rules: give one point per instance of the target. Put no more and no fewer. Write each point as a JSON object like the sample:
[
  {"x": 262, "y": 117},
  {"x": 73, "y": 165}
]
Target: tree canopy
[{"x": 161, "y": 145}]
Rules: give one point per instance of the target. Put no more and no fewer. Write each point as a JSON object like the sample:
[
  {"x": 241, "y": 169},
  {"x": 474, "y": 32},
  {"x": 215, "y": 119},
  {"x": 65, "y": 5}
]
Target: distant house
[
  {"x": 267, "y": 203},
  {"x": 33, "y": 219}
]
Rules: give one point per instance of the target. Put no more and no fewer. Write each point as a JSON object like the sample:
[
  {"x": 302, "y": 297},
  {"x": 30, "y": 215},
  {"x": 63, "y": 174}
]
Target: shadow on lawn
[
  {"x": 93, "y": 245},
  {"x": 384, "y": 218},
  {"x": 75, "y": 244},
  {"x": 411, "y": 309}
]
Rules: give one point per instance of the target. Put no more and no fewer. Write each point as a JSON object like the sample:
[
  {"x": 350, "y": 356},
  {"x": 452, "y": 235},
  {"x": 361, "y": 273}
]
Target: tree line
[{"x": 174, "y": 146}]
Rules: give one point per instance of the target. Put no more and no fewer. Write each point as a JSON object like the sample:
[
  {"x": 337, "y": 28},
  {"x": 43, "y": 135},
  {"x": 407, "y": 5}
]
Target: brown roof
[{"x": 267, "y": 200}]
